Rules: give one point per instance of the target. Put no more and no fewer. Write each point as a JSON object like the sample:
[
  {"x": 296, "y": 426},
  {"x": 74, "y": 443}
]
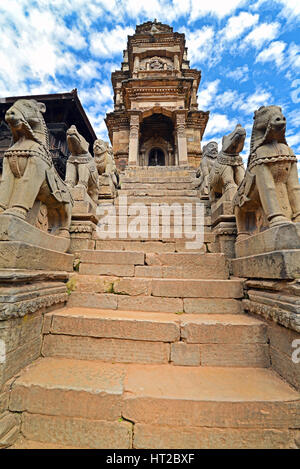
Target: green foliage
[
  {"x": 71, "y": 285},
  {"x": 76, "y": 264}
]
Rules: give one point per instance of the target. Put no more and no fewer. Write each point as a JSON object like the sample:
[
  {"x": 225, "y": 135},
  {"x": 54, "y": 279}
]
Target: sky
[{"x": 248, "y": 52}]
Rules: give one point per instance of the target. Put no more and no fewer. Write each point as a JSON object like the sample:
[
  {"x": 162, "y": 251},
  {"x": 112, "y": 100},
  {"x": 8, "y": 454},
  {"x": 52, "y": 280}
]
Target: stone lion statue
[
  {"x": 30, "y": 188},
  {"x": 209, "y": 155},
  {"x": 269, "y": 194},
  {"x": 227, "y": 171},
  {"x": 81, "y": 167},
  {"x": 105, "y": 161}
]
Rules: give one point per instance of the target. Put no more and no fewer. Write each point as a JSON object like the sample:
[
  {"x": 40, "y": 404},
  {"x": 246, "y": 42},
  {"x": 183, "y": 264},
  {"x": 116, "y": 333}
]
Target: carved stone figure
[
  {"x": 30, "y": 188},
  {"x": 105, "y": 161},
  {"x": 209, "y": 155},
  {"x": 81, "y": 167},
  {"x": 269, "y": 194},
  {"x": 228, "y": 171}
]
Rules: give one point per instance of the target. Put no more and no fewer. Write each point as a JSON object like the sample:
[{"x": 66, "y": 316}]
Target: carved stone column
[
  {"x": 136, "y": 65},
  {"x": 134, "y": 140},
  {"x": 181, "y": 140}
]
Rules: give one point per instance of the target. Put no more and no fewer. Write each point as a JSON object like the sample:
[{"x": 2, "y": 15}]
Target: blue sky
[{"x": 248, "y": 52}]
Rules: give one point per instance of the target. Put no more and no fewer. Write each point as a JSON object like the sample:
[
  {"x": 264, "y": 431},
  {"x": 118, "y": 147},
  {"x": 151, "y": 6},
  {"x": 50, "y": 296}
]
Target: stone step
[
  {"x": 159, "y": 185},
  {"x": 149, "y": 245},
  {"x": 159, "y": 287},
  {"x": 81, "y": 403},
  {"x": 153, "y": 304},
  {"x": 161, "y": 171},
  {"x": 148, "y": 200},
  {"x": 154, "y": 192},
  {"x": 147, "y": 220},
  {"x": 112, "y": 257},
  {"x": 143, "y": 337},
  {"x": 152, "y": 179},
  {"x": 137, "y": 264}
]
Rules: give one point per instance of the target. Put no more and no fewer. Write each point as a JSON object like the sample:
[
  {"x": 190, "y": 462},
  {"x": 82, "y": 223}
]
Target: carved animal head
[
  {"x": 25, "y": 119},
  {"x": 233, "y": 143},
  {"x": 77, "y": 143},
  {"x": 211, "y": 150},
  {"x": 100, "y": 147},
  {"x": 269, "y": 126}
]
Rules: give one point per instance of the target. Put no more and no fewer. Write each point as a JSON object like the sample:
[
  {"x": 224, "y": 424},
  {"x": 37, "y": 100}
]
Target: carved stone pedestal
[
  {"x": 107, "y": 188},
  {"x": 84, "y": 221},
  {"x": 224, "y": 227},
  {"x": 83, "y": 204}
]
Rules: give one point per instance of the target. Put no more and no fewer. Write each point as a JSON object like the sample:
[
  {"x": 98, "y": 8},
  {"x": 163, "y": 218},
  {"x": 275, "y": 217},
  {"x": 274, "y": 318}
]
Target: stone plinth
[
  {"x": 107, "y": 187},
  {"x": 82, "y": 233},
  {"x": 84, "y": 221},
  {"x": 14, "y": 229},
  {"x": 273, "y": 254},
  {"x": 223, "y": 225},
  {"x": 283, "y": 264},
  {"x": 19, "y": 255},
  {"x": 83, "y": 204},
  {"x": 274, "y": 239}
]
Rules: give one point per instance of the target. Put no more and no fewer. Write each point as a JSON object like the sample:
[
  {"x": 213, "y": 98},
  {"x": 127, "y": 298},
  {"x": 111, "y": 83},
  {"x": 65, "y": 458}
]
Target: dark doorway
[{"x": 156, "y": 157}]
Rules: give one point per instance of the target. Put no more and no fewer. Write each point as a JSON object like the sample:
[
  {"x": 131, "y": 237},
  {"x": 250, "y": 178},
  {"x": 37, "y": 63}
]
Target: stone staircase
[{"x": 153, "y": 350}]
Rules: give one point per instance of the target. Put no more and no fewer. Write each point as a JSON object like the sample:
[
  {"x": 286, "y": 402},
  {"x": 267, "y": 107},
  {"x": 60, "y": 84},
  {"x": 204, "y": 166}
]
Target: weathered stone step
[
  {"x": 174, "y": 234},
  {"x": 143, "y": 337},
  {"x": 148, "y": 200},
  {"x": 159, "y": 185},
  {"x": 157, "y": 287},
  {"x": 84, "y": 297},
  {"x": 147, "y": 220},
  {"x": 112, "y": 257},
  {"x": 172, "y": 265},
  {"x": 80, "y": 403},
  {"x": 151, "y": 245},
  {"x": 23, "y": 443},
  {"x": 153, "y": 192},
  {"x": 150, "y": 179}
]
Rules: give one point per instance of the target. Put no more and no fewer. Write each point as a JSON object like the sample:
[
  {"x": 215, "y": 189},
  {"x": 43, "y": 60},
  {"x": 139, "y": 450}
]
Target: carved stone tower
[{"x": 156, "y": 120}]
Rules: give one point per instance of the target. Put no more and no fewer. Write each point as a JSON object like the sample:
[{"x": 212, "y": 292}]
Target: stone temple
[{"x": 149, "y": 286}]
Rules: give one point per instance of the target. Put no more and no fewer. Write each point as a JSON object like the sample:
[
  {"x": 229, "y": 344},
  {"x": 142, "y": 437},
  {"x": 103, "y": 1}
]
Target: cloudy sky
[{"x": 248, "y": 52}]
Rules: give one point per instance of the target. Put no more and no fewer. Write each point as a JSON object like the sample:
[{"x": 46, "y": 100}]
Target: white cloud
[
  {"x": 273, "y": 53},
  {"x": 99, "y": 94},
  {"x": 239, "y": 74},
  {"x": 264, "y": 32},
  {"x": 290, "y": 9},
  {"x": 89, "y": 70},
  {"x": 219, "y": 123},
  {"x": 218, "y": 8},
  {"x": 207, "y": 94},
  {"x": 107, "y": 43},
  {"x": 228, "y": 98},
  {"x": 236, "y": 25},
  {"x": 253, "y": 102},
  {"x": 293, "y": 119},
  {"x": 200, "y": 44}
]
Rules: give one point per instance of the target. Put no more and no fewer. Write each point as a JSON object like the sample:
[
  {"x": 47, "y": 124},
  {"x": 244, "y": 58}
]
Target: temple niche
[{"x": 156, "y": 121}]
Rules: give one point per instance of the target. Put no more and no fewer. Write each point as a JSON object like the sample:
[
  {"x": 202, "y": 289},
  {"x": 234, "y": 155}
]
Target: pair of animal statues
[
  {"x": 84, "y": 170},
  {"x": 268, "y": 193},
  {"x": 30, "y": 186}
]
